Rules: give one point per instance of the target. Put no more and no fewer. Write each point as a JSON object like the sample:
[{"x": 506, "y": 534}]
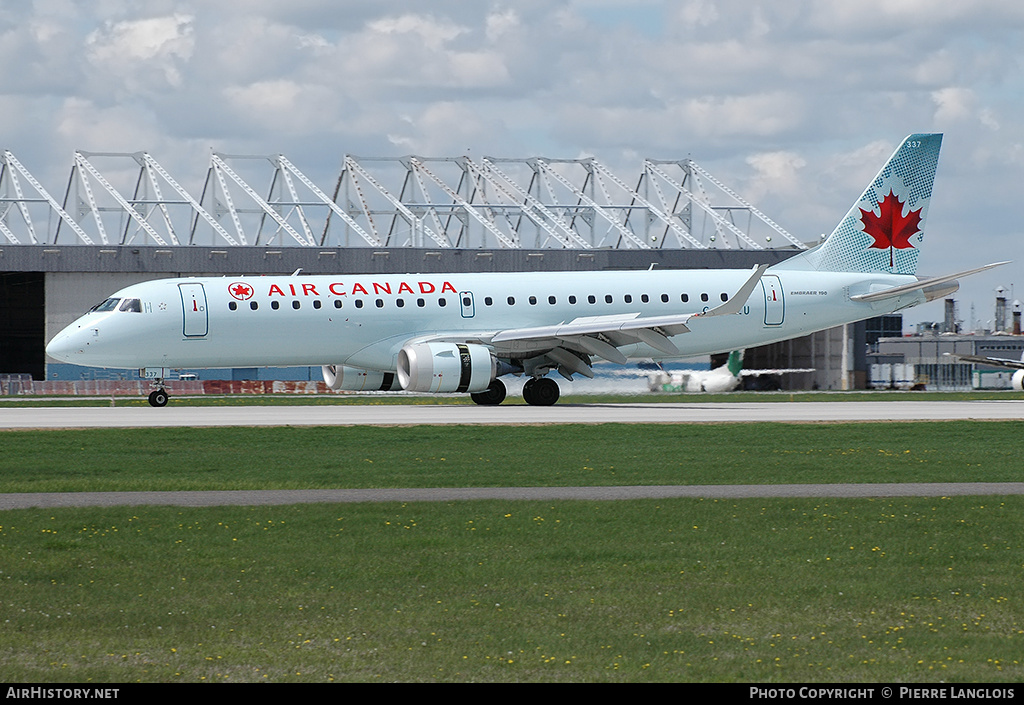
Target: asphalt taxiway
[
  {"x": 50, "y": 500},
  {"x": 512, "y": 414}
]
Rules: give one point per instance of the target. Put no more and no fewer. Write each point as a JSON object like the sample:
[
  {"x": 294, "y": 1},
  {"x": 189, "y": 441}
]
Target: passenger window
[
  {"x": 703, "y": 297},
  {"x": 533, "y": 300},
  {"x": 441, "y": 302},
  {"x": 232, "y": 305},
  {"x": 316, "y": 303},
  {"x": 275, "y": 305},
  {"x": 359, "y": 303},
  {"x": 551, "y": 300},
  {"x": 684, "y": 297},
  {"x": 380, "y": 303},
  {"x": 488, "y": 301},
  {"x": 725, "y": 297},
  {"x": 592, "y": 299},
  {"x": 645, "y": 298},
  {"x": 664, "y": 298},
  {"x": 337, "y": 303},
  {"x": 628, "y": 298},
  {"x": 466, "y": 301},
  {"x": 572, "y": 299},
  {"x": 400, "y": 303},
  {"x": 607, "y": 298},
  {"x": 296, "y": 305},
  {"x": 253, "y": 305},
  {"x": 511, "y": 301},
  {"x": 421, "y": 303}
]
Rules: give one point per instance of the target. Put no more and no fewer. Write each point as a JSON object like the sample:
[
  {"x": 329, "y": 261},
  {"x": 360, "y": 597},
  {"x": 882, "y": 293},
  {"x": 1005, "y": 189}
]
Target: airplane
[
  {"x": 462, "y": 332},
  {"x": 725, "y": 378},
  {"x": 1016, "y": 380}
]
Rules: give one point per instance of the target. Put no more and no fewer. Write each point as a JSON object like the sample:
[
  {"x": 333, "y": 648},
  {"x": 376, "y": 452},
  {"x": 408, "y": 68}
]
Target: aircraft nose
[{"x": 64, "y": 346}]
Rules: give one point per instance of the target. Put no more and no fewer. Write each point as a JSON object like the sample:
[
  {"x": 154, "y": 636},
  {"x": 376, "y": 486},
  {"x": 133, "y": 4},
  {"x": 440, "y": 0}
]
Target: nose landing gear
[{"x": 158, "y": 397}]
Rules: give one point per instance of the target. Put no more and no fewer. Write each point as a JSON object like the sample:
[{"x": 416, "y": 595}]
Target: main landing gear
[
  {"x": 492, "y": 396},
  {"x": 536, "y": 392},
  {"x": 540, "y": 391}
]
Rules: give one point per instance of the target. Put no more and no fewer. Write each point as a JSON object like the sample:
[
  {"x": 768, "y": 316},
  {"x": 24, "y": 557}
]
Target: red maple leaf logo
[
  {"x": 890, "y": 228},
  {"x": 240, "y": 291}
]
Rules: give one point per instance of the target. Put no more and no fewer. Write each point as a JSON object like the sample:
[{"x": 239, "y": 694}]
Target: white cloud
[
  {"x": 775, "y": 172},
  {"x": 284, "y": 107},
  {"x": 434, "y": 34},
  {"x": 954, "y": 104},
  {"x": 697, "y": 13},
  {"x": 501, "y": 23},
  {"x": 134, "y": 50}
]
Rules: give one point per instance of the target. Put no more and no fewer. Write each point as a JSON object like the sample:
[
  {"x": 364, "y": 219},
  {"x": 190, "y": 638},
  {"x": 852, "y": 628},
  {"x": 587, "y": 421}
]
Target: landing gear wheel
[
  {"x": 492, "y": 396},
  {"x": 540, "y": 392},
  {"x": 158, "y": 398}
]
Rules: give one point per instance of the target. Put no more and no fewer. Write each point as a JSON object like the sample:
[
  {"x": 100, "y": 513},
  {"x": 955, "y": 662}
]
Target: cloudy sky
[{"x": 794, "y": 104}]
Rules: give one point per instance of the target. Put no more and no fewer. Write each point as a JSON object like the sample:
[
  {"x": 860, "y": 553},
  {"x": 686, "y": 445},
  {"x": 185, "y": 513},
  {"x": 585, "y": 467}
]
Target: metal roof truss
[{"x": 410, "y": 201}]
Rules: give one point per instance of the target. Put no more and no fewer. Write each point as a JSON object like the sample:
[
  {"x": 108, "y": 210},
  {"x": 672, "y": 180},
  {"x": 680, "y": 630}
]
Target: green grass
[
  {"x": 801, "y": 590},
  {"x": 776, "y": 590},
  {"x": 489, "y": 456}
]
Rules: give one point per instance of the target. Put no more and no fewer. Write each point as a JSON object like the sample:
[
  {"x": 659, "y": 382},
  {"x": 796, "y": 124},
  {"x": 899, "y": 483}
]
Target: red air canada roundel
[{"x": 240, "y": 291}]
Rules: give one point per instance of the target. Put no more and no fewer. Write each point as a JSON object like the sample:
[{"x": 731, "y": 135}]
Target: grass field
[
  {"x": 489, "y": 456},
  {"x": 884, "y": 590}
]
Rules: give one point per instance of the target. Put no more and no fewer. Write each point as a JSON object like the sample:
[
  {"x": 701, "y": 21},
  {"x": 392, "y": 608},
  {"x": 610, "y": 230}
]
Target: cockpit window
[
  {"x": 131, "y": 305},
  {"x": 108, "y": 305}
]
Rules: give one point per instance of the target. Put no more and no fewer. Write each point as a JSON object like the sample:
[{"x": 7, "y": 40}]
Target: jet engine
[
  {"x": 1017, "y": 381},
  {"x": 445, "y": 367},
  {"x": 358, "y": 380}
]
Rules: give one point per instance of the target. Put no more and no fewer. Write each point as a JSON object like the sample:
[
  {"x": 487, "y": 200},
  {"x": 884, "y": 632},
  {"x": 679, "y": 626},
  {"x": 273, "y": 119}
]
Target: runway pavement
[{"x": 412, "y": 414}]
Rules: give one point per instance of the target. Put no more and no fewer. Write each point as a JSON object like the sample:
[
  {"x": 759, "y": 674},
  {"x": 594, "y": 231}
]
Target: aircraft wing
[
  {"x": 993, "y": 361},
  {"x": 781, "y": 371},
  {"x": 601, "y": 335}
]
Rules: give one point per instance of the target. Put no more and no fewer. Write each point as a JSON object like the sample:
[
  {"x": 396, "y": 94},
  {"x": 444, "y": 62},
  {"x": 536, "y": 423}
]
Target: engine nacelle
[
  {"x": 1017, "y": 381},
  {"x": 445, "y": 367},
  {"x": 354, "y": 379}
]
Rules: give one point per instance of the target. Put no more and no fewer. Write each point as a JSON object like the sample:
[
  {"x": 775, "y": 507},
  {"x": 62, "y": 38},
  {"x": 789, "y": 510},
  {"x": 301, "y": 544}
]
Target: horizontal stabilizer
[{"x": 919, "y": 285}]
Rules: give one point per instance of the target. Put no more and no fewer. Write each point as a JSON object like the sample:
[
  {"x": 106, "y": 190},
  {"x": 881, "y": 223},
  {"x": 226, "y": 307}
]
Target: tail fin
[
  {"x": 735, "y": 363},
  {"x": 885, "y": 227}
]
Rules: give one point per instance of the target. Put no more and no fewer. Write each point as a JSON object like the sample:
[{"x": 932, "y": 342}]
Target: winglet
[{"x": 738, "y": 300}]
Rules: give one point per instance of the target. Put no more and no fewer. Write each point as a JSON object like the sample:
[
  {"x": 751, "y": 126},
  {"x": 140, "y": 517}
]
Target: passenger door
[
  {"x": 196, "y": 321},
  {"x": 774, "y": 302}
]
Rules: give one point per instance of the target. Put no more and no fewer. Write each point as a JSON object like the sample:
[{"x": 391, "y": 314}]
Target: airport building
[
  {"x": 131, "y": 221},
  {"x": 931, "y": 361}
]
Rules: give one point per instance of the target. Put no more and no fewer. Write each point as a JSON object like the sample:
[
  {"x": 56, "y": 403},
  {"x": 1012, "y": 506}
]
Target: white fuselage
[{"x": 364, "y": 320}]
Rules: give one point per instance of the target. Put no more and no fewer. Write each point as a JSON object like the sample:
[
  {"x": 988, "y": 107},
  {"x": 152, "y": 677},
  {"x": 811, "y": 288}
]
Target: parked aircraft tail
[
  {"x": 735, "y": 363},
  {"x": 884, "y": 230}
]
